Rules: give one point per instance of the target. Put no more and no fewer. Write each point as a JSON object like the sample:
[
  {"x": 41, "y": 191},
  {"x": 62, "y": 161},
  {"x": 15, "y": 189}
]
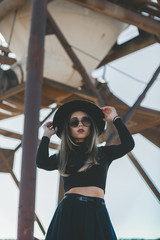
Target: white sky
[{"x": 133, "y": 209}]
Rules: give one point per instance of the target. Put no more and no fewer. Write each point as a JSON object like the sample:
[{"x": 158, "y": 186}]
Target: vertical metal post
[{"x": 26, "y": 215}]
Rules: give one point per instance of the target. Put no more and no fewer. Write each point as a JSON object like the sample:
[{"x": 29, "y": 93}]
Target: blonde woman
[{"x": 82, "y": 214}]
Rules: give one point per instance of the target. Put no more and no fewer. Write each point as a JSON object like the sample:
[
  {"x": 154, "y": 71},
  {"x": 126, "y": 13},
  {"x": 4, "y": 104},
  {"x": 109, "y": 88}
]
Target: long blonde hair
[{"x": 68, "y": 144}]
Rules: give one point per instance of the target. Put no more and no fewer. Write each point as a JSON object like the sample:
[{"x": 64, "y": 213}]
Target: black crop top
[{"x": 95, "y": 175}]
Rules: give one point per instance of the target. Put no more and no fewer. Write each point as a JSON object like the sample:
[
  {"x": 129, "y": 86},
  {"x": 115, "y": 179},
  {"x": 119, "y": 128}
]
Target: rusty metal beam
[
  {"x": 144, "y": 175},
  {"x": 135, "y": 44},
  {"x": 122, "y": 14},
  {"x": 32, "y": 105},
  {"x": 77, "y": 64}
]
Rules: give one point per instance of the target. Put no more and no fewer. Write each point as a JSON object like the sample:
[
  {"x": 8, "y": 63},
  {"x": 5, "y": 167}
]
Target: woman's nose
[{"x": 80, "y": 123}]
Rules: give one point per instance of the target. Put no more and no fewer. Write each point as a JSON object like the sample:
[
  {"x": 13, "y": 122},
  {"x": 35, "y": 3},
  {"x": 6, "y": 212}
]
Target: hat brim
[{"x": 64, "y": 111}]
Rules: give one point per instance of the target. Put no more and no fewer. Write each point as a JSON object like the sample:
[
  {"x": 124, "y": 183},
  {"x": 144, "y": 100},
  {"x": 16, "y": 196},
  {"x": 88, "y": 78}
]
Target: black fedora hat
[{"x": 64, "y": 111}]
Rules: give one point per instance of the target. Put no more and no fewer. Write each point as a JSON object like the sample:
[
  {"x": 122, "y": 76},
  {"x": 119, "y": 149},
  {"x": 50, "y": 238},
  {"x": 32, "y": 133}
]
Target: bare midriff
[{"x": 88, "y": 191}]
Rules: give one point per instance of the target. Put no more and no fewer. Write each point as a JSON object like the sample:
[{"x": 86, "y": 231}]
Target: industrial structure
[{"x": 70, "y": 39}]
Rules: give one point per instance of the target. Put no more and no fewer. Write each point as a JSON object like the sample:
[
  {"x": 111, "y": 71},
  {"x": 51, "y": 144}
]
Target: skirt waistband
[{"x": 85, "y": 198}]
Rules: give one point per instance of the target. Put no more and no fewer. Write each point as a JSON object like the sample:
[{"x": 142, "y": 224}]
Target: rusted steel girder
[
  {"x": 122, "y": 14},
  {"x": 32, "y": 105},
  {"x": 78, "y": 65}
]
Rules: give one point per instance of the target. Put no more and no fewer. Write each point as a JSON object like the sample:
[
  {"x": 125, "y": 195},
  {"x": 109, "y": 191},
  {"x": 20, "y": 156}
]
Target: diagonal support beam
[
  {"x": 132, "y": 110},
  {"x": 144, "y": 175},
  {"x": 78, "y": 65}
]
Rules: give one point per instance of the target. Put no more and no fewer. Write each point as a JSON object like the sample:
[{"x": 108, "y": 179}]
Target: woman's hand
[
  {"x": 48, "y": 129},
  {"x": 109, "y": 112}
]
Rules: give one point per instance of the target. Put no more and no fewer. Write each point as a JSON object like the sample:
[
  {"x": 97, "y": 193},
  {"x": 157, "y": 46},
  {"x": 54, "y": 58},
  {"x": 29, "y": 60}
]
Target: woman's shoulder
[{"x": 103, "y": 149}]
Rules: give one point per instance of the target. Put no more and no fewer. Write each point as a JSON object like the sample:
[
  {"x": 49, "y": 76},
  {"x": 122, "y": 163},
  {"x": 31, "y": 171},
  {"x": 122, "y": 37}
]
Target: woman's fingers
[
  {"x": 49, "y": 126},
  {"x": 109, "y": 113}
]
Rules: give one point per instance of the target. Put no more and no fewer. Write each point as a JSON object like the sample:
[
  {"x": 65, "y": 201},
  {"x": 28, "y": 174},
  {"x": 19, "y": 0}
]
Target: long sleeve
[
  {"x": 126, "y": 145},
  {"x": 42, "y": 159}
]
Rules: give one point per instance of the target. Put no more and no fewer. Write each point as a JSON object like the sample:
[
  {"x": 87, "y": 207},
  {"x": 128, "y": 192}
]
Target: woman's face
[{"x": 79, "y": 126}]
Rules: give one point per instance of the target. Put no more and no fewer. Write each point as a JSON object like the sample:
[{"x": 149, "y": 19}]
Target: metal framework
[{"x": 59, "y": 93}]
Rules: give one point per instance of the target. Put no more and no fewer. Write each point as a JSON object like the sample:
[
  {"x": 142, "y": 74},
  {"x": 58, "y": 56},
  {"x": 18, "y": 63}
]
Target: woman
[{"x": 82, "y": 214}]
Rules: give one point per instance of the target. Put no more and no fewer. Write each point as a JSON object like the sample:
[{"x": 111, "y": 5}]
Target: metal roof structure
[{"x": 144, "y": 14}]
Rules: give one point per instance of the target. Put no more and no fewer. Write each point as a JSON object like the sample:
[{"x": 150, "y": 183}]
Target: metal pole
[{"x": 31, "y": 111}]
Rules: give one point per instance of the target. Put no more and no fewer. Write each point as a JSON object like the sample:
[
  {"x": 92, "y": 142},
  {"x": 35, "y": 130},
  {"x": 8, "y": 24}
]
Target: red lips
[{"x": 80, "y": 131}]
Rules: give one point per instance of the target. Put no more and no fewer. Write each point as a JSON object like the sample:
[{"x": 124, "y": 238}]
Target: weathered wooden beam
[
  {"x": 4, "y": 49},
  {"x": 66, "y": 88},
  {"x": 152, "y": 134},
  {"x": 144, "y": 176},
  {"x": 17, "y": 102},
  {"x": 12, "y": 92},
  {"x": 10, "y": 109},
  {"x": 7, "y": 60},
  {"x": 150, "y": 10},
  {"x": 19, "y": 137},
  {"x": 156, "y": 5},
  {"x": 135, "y": 44},
  {"x": 122, "y": 14},
  {"x": 136, "y": 2},
  {"x": 6, "y": 160}
]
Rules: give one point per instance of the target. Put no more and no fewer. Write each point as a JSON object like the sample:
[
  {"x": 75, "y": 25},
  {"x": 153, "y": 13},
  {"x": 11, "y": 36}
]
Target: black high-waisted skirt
[{"x": 78, "y": 217}]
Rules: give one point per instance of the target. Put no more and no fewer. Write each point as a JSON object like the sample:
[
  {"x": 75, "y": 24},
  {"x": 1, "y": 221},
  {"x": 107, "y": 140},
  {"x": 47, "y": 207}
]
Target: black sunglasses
[{"x": 74, "y": 122}]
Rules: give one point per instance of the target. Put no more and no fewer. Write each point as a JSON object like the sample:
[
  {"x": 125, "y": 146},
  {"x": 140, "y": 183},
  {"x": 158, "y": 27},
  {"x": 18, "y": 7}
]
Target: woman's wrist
[
  {"x": 114, "y": 119},
  {"x": 47, "y": 135}
]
